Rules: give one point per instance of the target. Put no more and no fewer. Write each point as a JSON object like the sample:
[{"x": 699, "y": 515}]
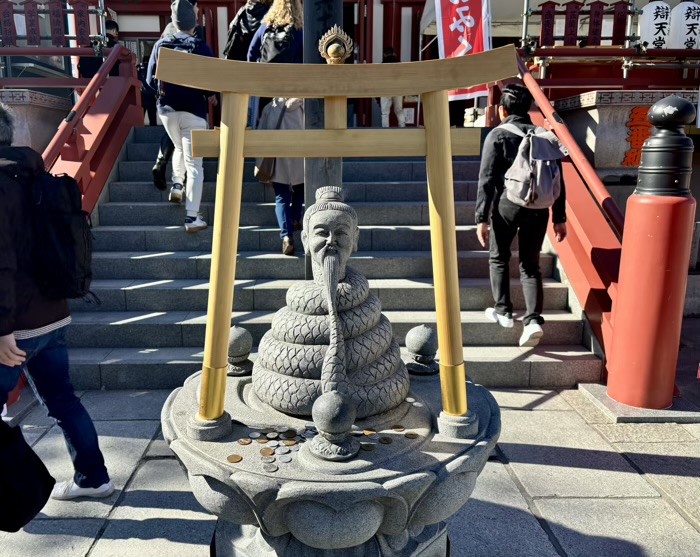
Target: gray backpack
[{"x": 534, "y": 179}]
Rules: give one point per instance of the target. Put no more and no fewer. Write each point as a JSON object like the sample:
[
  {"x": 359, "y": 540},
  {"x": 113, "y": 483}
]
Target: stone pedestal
[
  {"x": 391, "y": 500},
  {"x": 611, "y": 127},
  {"x": 37, "y": 116}
]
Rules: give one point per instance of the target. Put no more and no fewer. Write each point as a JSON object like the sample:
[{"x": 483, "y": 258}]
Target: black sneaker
[
  {"x": 176, "y": 193},
  {"x": 159, "y": 176}
]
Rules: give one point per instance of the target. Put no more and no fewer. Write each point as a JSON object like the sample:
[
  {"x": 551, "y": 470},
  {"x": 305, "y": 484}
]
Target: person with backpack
[
  {"x": 280, "y": 40},
  {"x": 33, "y": 313},
  {"x": 182, "y": 110},
  {"x": 515, "y": 194},
  {"x": 243, "y": 28},
  {"x": 165, "y": 153}
]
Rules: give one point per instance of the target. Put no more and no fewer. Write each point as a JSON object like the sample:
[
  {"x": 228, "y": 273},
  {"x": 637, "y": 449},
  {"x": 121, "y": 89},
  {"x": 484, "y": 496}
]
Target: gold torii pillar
[{"x": 237, "y": 81}]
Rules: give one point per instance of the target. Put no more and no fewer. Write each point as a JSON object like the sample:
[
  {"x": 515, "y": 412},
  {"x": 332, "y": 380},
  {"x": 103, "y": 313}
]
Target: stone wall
[{"x": 37, "y": 116}]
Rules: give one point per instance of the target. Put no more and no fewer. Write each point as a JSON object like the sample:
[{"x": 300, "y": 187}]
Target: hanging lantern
[
  {"x": 655, "y": 25},
  {"x": 685, "y": 26}
]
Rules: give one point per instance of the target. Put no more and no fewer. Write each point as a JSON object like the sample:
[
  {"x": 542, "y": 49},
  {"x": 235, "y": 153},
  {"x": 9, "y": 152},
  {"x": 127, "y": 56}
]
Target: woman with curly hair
[{"x": 280, "y": 40}]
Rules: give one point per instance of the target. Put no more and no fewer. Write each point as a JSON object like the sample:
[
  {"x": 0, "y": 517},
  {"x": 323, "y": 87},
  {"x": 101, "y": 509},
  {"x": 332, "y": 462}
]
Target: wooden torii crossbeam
[{"x": 237, "y": 81}]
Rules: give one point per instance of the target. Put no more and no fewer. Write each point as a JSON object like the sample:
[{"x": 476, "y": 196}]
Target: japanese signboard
[
  {"x": 685, "y": 26},
  {"x": 58, "y": 33},
  {"x": 82, "y": 23},
  {"x": 639, "y": 131},
  {"x": 31, "y": 16},
  {"x": 7, "y": 23},
  {"x": 464, "y": 27},
  {"x": 655, "y": 25}
]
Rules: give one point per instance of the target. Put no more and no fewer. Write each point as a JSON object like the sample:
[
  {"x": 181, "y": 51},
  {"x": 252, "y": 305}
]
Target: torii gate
[{"x": 237, "y": 81}]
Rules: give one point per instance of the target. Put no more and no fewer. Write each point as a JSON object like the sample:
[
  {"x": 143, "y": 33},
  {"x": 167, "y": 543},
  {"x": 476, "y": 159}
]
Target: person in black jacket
[
  {"x": 148, "y": 95},
  {"x": 88, "y": 66},
  {"x": 508, "y": 220},
  {"x": 243, "y": 27},
  {"x": 33, "y": 327}
]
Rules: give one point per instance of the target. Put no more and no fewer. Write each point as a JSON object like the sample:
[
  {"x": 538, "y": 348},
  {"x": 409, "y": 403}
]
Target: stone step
[
  {"x": 269, "y": 295},
  {"x": 152, "y": 368},
  {"x": 258, "y": 238},
  {"x": 353, "y": 170},
  {"x": 162, "y": 329},
  {"x": 170, "y": 265},
  {"x": 123, "y": 192},
  {"x": 263, "y": 214}
]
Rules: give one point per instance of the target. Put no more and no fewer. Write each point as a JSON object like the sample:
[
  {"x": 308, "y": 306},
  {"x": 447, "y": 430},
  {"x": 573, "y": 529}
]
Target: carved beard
[{"x": 331, "y": 276}]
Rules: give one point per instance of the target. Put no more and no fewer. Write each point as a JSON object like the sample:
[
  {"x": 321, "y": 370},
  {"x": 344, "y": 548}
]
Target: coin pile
[{"x": 279, "y": 444}]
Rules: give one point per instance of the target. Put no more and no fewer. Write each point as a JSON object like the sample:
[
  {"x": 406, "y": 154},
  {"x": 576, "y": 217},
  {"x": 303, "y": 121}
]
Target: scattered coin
[
  {"x": 289, "y": 443},
  {"x": 367, "y": 446},
  {"x": 310, "y": 425},
  {"x": 234, "y": 458},
  {"x": 272, "y": 443},
  {"x": 409, "y": 399},
  {"x": 295, "y": 448},
  {"x": 411, "y": 435},
  {"x": 285, "y": 458},
  {"x": 357, "y": 432},
  {"x": 369, "y": 432},
  {"x": 418, "y": 405},
  {"x": 281, "y": 429},
  {"x": 244, "y": 441},
  {"x": 266, "y": 430},
  {"x": 373, "y": 436},
  {"x": 398, "y": 428},
  {"x": 254, "y": 434},
  {"x": 270, "y": 468},
  {"x": 386, "y": 440},
  {"x": 273, "y": 435},
  {"x": 289, "y": 434},
  {"x": 262, "y": 440},
  {"x": 282, "y": 450},
  {"x": 308, "y": 434},
  {"x": 267, "y": 459},
  {"x": 268, "y": 451}
]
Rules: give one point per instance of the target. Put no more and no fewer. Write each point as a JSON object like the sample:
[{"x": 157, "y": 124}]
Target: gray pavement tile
[
  {"x": 530, "y": 399},
  {"x": 674, "y": 468},
  {"x": 694, "y": 429},
  {"x": 123, "y": 445},
  {"x": 54, "y": 538},
  {"x": 556, "y": 454},
  {"x": 125, "y": 405},
  {"x": 39, "y": 418},
  {"x": 619, "y": 528},
  {"x": 586, "y": 409},
  {"x": 478, "y": 528},
  {"x": 159, "y": 448},
  {"x": 158, "y": 516},
  {"x": 644, "y": 433}
]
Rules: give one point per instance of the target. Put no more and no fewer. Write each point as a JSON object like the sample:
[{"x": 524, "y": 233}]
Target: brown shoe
[{"x": 288, "y": 246}]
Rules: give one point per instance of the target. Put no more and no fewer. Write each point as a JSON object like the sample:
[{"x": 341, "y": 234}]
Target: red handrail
[
  {"x": 594, "y": 183},
  {"x": 67, "y": 127}
]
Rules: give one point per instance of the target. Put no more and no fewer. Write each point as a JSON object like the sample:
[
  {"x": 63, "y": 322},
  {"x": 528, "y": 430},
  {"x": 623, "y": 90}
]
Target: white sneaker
[
  {"x": 195, "y": 224},
  {"x": 63, "y": 491},
  {"x": 176, "y": 193},
  {"x": 505, "y": 321},
  {"x": 532, "y": 334}
]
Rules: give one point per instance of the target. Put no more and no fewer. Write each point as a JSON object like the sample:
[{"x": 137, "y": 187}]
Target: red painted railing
[
  {"x": 88, "y": 141},
  {"x": 591, "y": 253}
]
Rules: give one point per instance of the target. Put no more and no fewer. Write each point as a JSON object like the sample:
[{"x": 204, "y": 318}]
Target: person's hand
[
  {"x": 482, "y": 232},
  {"x": 293, "y": 103},
  {"x": 213, "y": 101},
  {"x": 10, "y": 355},
  {"x": 560, "y": 231}
]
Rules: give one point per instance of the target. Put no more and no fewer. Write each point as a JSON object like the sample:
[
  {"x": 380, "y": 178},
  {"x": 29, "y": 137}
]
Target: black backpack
[
  {"x": 277, "y": 45},
  {"x": 181, "y": 45},
  {"x": 62, "y": 246}
]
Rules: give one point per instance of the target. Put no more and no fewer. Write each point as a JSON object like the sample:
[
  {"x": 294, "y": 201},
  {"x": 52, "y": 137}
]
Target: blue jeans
[
  {"x": 47, "y": 364},
  {"x": 288, "y": 206}
]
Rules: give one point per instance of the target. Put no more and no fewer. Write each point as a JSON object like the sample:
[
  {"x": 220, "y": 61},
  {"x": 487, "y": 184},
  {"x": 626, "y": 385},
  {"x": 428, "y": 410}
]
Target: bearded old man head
[{"x": 330, "y": 230}]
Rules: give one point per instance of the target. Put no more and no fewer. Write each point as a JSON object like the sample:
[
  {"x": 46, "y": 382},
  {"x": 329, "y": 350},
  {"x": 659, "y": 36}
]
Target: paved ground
[{"x": 564, "y": 481}]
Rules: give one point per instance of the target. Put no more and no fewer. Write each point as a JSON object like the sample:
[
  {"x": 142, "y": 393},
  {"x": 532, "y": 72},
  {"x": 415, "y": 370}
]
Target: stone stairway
[{"x": 152, "y": 278}]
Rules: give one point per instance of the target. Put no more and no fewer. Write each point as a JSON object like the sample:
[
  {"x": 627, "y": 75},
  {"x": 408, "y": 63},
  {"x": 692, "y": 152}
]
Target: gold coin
[
  {"x": 262, "y": 440},
  {"x": 410, "y": 435},
  {"x": 398, "y": 428},
  {"x": 267, "y": 451},
  {"x": 234, "y": 458},
  {"x": 367, "y": 446},
  {"x": 385, "y": 440},
  {"x": 289, "y": 434},
  {"x": 245, "y": 441},
  {"x": 289, "y": 442},
  {"x": 369, "y": 432}
]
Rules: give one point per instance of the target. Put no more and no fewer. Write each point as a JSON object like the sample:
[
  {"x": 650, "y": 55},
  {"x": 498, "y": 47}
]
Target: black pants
[
  {"x": 530, "y": 225},
  {"x": 149, "y": 107}
]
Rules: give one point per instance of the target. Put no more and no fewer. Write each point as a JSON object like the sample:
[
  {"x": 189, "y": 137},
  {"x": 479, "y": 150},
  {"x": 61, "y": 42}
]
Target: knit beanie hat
[{"x": 183, "y": 15}]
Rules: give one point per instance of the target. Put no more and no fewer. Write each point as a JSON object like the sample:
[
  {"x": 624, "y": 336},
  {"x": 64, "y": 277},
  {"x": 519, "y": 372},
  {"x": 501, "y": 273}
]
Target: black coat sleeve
[
  {"x": 559, "y": 207},
  {"x": 490, "y": 173},
  {"x": 8, "y": 263}
]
